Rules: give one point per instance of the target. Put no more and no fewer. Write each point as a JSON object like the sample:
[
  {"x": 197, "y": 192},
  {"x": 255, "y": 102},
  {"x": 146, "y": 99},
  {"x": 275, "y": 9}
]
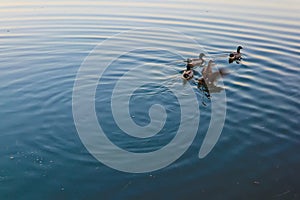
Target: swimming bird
[
  {"x": 207, "y": 70},
  {"x": 196, "y": 61},
  {"x": 235, "y": 56},
  {"x": 188, "y": 73},
  {"x": 209, "y": 77}
]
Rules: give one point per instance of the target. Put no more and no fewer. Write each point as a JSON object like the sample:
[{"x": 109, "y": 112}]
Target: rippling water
[{"x": 42, "y": 46}]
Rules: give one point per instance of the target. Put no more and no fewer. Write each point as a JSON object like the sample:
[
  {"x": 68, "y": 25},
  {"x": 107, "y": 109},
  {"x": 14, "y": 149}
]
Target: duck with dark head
[
  {"x": 188, "y": 73},
  {"x": 236, "y": 55},
  {"x": 196, "y": 61}
]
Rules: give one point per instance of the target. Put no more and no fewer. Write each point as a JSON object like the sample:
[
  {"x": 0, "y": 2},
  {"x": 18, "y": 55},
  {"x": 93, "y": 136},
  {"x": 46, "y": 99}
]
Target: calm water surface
[{"x": 42, "y": 45}]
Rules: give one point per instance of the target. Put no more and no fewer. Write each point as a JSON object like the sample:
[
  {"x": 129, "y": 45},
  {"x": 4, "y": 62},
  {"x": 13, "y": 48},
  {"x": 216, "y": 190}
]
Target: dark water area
[{"x": 43, "y": 44}]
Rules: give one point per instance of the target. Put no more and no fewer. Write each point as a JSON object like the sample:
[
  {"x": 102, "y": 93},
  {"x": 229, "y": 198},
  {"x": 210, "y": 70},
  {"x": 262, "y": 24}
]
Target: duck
[
  {"x": 196, "y": 61},
  {"x": 188, "y": 73},
  {"x": 207, "y": 71},
  {"x": 209, "y": 77},
  {"x": 235, "y": 56}
]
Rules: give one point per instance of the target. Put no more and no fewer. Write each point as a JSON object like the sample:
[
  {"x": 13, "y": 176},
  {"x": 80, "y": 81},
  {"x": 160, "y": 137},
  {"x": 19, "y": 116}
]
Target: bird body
[
  {"x": 207, "y": 71},
  {"x": 188, "y": 74},
  {"x": 196, "y": 61},
  {"x": 209, "y": 77}
]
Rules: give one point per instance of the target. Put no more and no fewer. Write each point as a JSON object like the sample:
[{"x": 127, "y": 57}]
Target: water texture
[{"x": 42, "y": 45}]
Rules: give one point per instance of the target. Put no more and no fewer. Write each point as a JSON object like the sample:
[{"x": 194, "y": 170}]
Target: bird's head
[
  {"x": 239, "y": 48},
  {"x": 201, "y": 55},
  {"x": 211, "y": 63}
]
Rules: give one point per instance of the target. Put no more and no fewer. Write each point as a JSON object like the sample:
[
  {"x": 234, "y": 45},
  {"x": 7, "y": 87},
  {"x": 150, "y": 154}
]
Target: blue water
[{"x": 42, "y": 46}]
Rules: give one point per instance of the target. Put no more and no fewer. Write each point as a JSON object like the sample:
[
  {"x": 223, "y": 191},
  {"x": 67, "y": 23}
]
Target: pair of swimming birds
[{"x": 209, "y": 77}]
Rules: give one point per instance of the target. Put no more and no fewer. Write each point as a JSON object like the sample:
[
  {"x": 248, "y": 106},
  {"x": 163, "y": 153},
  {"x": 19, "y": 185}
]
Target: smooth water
[{"x": 42, "y": 45}]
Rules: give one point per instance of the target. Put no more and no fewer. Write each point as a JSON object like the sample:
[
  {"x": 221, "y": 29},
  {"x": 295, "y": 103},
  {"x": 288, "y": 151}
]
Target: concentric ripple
[
  {"x": 85, "y": 115},
  {"x": 42, "y": 45}
]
